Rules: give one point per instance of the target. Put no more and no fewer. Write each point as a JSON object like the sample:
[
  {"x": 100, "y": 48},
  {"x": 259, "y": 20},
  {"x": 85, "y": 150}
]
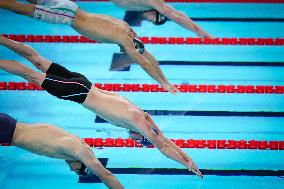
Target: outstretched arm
[
  {"x": 168, "y": 148},
  {"x": 151, "y": 66},
  {"x": 191, "y": 165},
  {"x": 181, "y": 19},
  {"x": 87, "y": 157},
  {"x": 158, "y": 69},
  {"x": 120, "y": 112}
]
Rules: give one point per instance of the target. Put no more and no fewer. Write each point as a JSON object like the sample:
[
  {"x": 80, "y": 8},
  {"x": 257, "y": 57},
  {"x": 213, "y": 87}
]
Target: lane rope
[
  {"x": 151, "y": 40},
  {"x": 184, "y": 88},
  {"x": 203, "y": 1},
  {"x": 190, "y": 143}
]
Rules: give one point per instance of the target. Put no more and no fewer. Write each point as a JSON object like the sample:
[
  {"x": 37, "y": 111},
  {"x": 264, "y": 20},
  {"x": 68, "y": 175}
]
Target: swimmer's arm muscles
[
  {"x": 106, "y": 176},
  {"x": 182, "y": 20},
  {"x": 152, "y": 69},
  {"x": 87, "y": 157},
  {"x": 156, "y": 65},
  {"x": 145, "y": 64}
]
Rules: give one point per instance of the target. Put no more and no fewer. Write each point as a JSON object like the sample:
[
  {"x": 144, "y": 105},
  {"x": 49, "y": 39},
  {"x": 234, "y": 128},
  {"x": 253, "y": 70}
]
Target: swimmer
[
  {"x": 51, "y": 141},
  {"x": 72, "y": 86},
  {"x": 99, "y": 27},
  {"x": 158, "y": 12}
]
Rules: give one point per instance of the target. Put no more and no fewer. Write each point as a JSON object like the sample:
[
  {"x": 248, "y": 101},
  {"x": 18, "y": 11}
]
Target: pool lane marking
[
  {"x": 205, "y": 113},
  {"x": 134, "y": 18},
  {"x": 122, "y": 62},
  {"x": 174, "y": 171},
  {"x": 154, "y": 40},
  {"x": 207, "y": 1}
]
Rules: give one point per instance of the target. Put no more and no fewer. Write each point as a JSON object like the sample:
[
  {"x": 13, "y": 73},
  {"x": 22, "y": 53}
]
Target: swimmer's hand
[
  {"x": 206, "y": 35},
  {"x": 172, "y": 89},
  {"x": 191, "y": 166},
  {"x": 201, "y": 33}
]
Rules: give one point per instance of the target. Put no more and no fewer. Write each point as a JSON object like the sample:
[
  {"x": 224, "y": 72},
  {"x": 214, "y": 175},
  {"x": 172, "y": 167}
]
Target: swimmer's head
[
  {"x": 136, "y": 136},
  {"x": 140, "y": 138},
  {"x": 139, "y": 46},
  {"x": 155, "y": 17},
  {"x": 79, "y": 168}
]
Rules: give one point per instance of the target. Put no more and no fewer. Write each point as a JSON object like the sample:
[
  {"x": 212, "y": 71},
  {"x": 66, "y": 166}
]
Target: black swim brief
[
  {"x": 65, "y": 84},
  {"x": 7, "y": 129}
]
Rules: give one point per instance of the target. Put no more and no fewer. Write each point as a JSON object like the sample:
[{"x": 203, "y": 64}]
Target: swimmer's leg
[
  {"x": 18, "y": 7},
  {"x": 22, "y": 71},
  {"x": 27, "y": 52}
]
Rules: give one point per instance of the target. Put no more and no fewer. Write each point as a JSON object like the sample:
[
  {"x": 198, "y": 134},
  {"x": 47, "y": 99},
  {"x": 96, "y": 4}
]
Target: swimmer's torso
[
  {"x": 113, "y": 108},
  {"x": 97, "y": 26},
  {"x": 45, "y": 139}
]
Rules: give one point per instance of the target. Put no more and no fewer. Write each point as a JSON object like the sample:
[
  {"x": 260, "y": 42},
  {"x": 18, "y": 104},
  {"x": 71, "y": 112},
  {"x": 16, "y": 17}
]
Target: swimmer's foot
[{"x": 193, "y": 168}]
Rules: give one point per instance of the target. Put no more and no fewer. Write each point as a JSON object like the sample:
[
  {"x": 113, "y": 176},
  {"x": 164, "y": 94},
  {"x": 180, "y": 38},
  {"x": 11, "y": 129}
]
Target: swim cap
[
  {"x": 141, "y": 139},
  {"x": 160, "y": 19},
  {"x": 84, "y": 171},
  {"x": 139, "y": 46}
]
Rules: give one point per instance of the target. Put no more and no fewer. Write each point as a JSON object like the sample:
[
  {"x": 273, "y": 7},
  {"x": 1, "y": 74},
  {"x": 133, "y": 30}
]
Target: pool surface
[{"x": 189, "y": 115}]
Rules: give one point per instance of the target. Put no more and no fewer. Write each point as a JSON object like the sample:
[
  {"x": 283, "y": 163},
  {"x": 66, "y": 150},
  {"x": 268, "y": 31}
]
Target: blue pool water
[{"x": 28, "y": 171}]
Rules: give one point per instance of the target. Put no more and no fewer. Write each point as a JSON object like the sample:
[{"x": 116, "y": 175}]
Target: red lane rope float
[
  {"x": 184, "y": 88},
  {"x": 151, "y": 40},
  {"x": 190, "y": 143},
  {"x": 206, "y": 1}
]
